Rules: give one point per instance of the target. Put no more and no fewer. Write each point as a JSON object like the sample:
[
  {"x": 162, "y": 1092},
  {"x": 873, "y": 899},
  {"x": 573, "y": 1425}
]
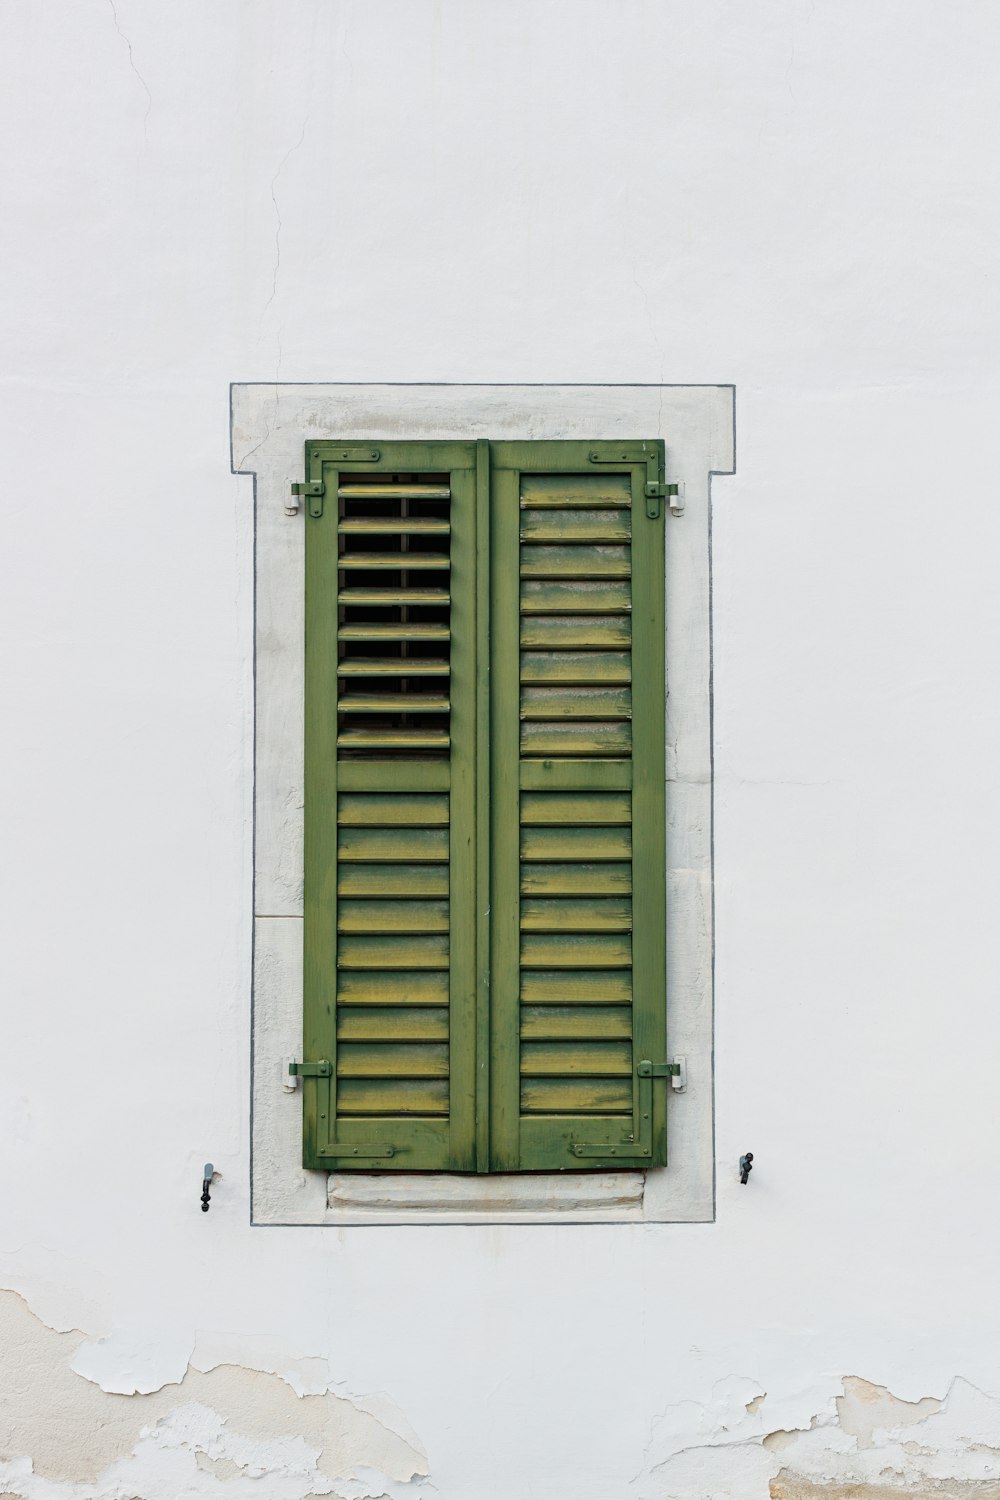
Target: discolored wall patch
[
  {"x": 59, "y": 1431},
  {"x": 859, "y": 1442}
]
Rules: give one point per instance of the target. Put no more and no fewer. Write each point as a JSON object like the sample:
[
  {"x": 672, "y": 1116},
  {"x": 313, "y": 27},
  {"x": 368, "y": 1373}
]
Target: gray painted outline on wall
[{"x": 269, "y": 423}]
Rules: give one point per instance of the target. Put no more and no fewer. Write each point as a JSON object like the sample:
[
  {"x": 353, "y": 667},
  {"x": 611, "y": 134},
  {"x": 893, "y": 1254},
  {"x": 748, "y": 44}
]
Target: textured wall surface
[{"x": 796, "y": 196}]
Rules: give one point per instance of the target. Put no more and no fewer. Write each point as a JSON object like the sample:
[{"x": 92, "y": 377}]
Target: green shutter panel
[
  {"x": 389, "y": 935},
  {"x": 577, "y": 828}
]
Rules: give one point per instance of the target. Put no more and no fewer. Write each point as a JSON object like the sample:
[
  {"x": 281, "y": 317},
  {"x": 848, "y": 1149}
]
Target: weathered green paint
[
  {"x": 485, "y": 930},
  {"x": 484, "y": 845},
  {"x": 578, "y": 904},
  {"x": 390, "y": 839}
]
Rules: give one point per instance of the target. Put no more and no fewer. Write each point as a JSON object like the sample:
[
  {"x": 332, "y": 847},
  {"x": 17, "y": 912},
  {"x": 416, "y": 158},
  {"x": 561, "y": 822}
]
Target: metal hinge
[
  {"x": 672, "y": 493},
  {"x": 311, "y": 1070},
  {"x": 658, "y": 1070},
  {"x": 312, "y": 491}
]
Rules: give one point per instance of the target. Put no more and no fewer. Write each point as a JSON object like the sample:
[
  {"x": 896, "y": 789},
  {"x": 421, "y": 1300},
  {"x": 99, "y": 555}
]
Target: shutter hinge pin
[
  {"x": 673, "y": 494},
  {"x": 312, "y": 491}
]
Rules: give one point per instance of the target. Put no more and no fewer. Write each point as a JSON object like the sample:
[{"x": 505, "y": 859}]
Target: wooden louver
[
  {"x": 394, "y": 601},
  {"x": 484, "y": 808}
]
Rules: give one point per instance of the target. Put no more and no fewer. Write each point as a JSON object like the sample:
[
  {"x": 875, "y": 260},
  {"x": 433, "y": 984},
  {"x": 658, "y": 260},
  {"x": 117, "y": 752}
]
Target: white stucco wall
[{"x": 795, "y": 197}]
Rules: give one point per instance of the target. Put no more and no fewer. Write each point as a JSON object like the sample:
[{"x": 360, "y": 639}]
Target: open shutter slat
[
  {"x": 391, "y": 562},
  {"x": 383, "y": 666},
  {"x": 393, "y": 526},
  {"x": 398, "y": 630},
  {"x": 398, "y": 489}
]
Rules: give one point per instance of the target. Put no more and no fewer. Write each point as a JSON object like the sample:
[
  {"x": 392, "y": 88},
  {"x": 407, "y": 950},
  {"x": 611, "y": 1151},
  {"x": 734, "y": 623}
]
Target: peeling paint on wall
[
  {"x": 227, "y": 1425},
  {"x": 863, "y": 1444},
  {"x": 865, "y": 1409}
]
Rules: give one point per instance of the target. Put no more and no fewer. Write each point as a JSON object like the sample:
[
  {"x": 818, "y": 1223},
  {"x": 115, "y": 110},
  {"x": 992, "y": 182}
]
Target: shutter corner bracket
[
  {"x": 314, "y": 489},
  {"x": 334, "y": 1149},
  {"x": 653, "y": 456}
]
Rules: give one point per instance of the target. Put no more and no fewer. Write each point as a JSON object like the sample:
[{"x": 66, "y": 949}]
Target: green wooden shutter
[
  {"x": 484, "y": 965},
  {"x": 577, "y": 830},
  {"x": 389, "y": 941}
]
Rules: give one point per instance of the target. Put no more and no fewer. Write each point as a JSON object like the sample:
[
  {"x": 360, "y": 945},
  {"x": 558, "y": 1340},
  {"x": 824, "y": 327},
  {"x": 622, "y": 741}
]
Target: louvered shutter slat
[
  {"x": 578, "y": 818},
  {"x": 401, "y": 879},
  {"x": 390, "y": 688}
]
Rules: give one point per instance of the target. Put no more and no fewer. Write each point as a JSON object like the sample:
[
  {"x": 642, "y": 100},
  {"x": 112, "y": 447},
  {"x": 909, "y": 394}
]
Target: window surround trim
[{"x": 269, "y": 425}]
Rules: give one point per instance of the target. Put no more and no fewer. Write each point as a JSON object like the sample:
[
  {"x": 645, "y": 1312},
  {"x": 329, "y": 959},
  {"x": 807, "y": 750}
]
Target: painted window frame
[{"x": 269, "y": 425}]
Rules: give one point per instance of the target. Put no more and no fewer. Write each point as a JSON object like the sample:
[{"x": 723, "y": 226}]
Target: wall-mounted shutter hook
[
  {"x": 206, "y": 1184},
  {"x": 746, "y": 1167}
]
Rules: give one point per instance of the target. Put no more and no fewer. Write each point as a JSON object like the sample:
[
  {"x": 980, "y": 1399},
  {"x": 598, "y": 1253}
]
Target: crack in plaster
[
  {"x": 60, "y": 1431},
  {"x": 278, "y": 224},
  {"x": 135, "y": 70}
]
